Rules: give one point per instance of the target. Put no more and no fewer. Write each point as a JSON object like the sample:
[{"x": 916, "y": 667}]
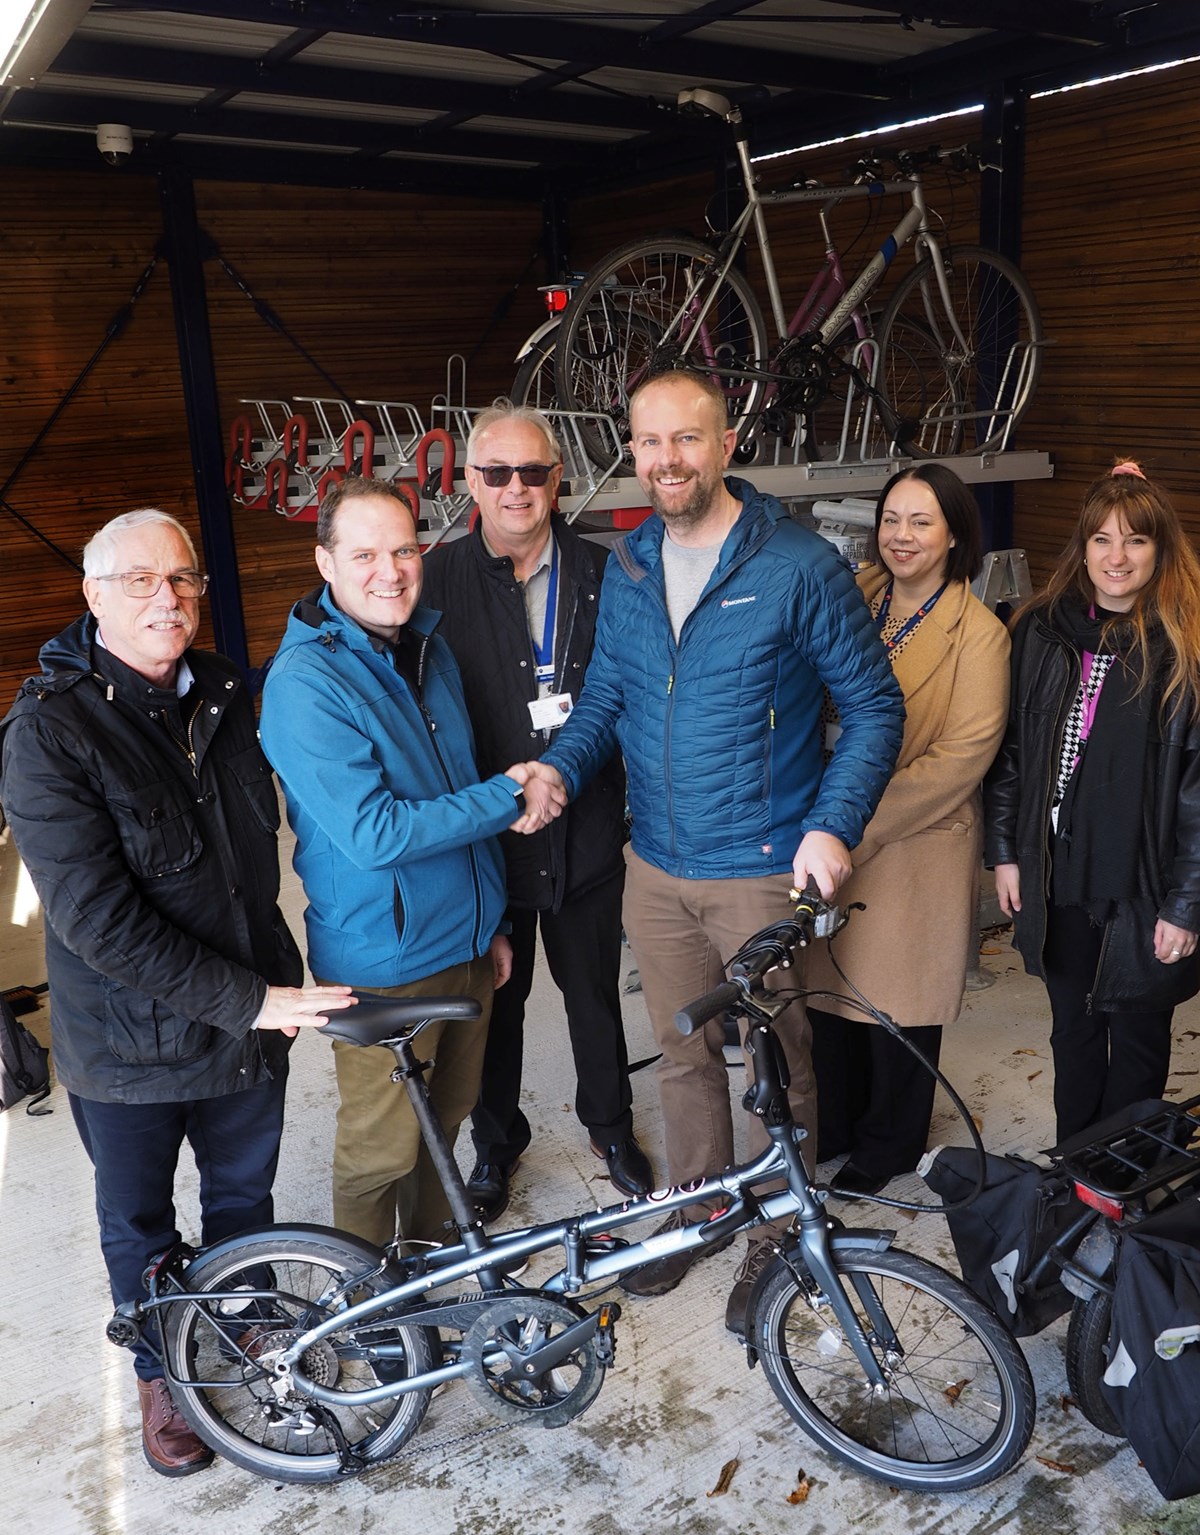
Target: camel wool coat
[{"x": 917, "y": 866}]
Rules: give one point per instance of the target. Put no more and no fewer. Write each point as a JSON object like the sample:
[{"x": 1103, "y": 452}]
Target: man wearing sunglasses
[
  {"x": 519, "y": 598},
  {"x": 146, "y": 815}
]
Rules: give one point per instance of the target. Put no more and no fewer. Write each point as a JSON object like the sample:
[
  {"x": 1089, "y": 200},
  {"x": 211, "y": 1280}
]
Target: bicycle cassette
[{"x": 532, "y": 1356}]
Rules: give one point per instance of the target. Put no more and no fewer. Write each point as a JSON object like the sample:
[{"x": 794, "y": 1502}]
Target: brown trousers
[
  {"x": 681, "y": 932},
  {"x": 384, "y": 1184}
]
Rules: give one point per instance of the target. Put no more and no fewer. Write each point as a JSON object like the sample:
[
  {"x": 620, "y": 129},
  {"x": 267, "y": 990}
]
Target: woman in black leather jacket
[{"x": 1093, "y": 803}]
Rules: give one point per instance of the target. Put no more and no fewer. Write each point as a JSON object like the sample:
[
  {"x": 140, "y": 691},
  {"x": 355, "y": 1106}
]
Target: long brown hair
[{"x": 1170, "y": 600}]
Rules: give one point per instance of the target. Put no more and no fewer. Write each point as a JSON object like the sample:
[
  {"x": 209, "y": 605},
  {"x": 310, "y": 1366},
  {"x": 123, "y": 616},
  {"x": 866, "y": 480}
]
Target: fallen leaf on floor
[
  {"x": 1067, "y": 1402},
  {"x": 977, "y": 1122},
  {"x": 1055, "y": 1465},
  {"x": 1034, "y": 1075},
  {"x": 725, "y": 1478},
  {"x": 1025, "y": 1050},
  {"x": 1179, "y": 1073},
  {"x": 952, "y": 1393},
  {"x": 799, "y": 1493},
  {"x": 1190, "y": 1034}
]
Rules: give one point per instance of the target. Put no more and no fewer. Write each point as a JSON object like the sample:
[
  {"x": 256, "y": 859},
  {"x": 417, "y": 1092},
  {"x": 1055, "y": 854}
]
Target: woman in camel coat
[{"x": 917, "y": 867}]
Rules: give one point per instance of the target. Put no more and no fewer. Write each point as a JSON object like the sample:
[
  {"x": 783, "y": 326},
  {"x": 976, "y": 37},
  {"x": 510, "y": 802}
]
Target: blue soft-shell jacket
[
  {"x": 395, "y": 836},
  {"x": 720, "y": 732}
]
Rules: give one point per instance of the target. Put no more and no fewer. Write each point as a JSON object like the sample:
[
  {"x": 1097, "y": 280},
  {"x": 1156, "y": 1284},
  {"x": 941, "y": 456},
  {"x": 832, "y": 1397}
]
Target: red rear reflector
[
  {"x": 1113, "y": 1208},
  {"x": 557, "y": 299}
]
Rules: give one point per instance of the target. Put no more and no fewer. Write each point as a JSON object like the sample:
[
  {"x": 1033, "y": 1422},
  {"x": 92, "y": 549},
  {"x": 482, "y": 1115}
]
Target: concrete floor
[{"x": 678, "y": 1404}]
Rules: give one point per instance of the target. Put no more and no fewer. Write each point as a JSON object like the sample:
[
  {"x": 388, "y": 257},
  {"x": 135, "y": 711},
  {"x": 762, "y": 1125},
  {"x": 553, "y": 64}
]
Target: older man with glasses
[{"x": 146, "y": 815}]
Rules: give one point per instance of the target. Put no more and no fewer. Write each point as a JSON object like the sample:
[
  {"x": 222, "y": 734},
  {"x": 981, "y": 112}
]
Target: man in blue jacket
[
  {"x": 721, "y": 625},
  {"x": 364, "y": 720}
]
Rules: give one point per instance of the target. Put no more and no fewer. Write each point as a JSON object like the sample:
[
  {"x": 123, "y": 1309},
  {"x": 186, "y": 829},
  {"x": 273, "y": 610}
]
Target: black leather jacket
[
  {"x": 485, "y": 623},
  {"x": 1018, "y": 792},
  {"x": 152, "y": 845}
]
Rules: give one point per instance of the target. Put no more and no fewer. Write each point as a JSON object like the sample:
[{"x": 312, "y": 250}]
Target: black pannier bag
[
  {"x": 1152, "y": 1382},
  {"x": 24, "y": 1064},
  {"x": 1022, "y": 1210}
]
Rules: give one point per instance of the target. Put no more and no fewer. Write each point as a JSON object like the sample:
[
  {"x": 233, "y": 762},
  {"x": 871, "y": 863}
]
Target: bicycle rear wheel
[
  {"x": 1087, "y": 1360},
  {"x": 652, "y": 305},
  {"x": 958, "y": 1409},
  {"x": 219, "y": 1349},
  {"x": 987, "y": 360}
]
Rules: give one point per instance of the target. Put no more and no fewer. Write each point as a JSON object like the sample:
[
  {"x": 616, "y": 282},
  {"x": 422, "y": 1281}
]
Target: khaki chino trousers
[{"x": 682, "y": 931}]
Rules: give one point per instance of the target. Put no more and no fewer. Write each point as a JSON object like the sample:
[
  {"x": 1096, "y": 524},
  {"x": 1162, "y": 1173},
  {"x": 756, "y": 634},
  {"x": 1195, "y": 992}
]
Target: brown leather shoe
[{"x": 169, "y": 1444}]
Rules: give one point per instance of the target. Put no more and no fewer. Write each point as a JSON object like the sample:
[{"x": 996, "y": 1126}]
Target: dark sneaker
[
  {"x": 664, "y": 1274},
  {"x": 760, "y": 1250}
]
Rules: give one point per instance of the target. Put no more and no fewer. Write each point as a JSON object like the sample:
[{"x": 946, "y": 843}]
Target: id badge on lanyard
[{"x": 549, "y": 709}]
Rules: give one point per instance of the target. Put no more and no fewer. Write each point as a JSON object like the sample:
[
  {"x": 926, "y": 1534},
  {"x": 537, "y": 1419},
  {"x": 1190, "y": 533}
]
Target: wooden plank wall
[
  {"x": 1112, "y": 250},
  {"x": 379, "y": 288}
]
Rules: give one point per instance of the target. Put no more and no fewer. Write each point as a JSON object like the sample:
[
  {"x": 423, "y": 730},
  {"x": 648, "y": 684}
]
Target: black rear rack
[{"x": 1137, "y": 1158}]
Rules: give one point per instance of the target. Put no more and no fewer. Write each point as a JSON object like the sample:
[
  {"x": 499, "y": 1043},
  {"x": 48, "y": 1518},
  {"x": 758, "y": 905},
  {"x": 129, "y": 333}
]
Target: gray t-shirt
[{"x": 685, "y": 575}]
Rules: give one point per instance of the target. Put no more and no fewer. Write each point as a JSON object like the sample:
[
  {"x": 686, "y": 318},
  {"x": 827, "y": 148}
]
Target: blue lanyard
[
  {"x": 910, "y": 624},
  {"x": 543, "y": 650}
]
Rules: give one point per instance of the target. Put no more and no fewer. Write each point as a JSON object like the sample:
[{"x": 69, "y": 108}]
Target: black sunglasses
[{"x": 498, "y": 475}]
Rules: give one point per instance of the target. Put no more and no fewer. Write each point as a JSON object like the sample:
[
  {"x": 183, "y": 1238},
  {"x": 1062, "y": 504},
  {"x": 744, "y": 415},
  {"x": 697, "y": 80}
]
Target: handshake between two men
[{"x": 544, "y": 793}]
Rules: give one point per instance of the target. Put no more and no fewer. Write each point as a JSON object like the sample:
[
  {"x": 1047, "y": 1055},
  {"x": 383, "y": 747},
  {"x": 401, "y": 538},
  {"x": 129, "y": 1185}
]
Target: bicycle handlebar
[{"x": 770, "y": 949}]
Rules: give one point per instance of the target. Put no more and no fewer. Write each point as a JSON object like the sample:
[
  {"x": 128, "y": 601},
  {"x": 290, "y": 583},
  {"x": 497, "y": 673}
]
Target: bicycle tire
[
  {"x": 235, "y": 1411},
  {"x": 1087, "y": 1360},
  {"x": 974, "y": 401},
  {"x": 960, "y": 1407},
  {"x": 629, "y": 319},
  {"x": 534, "y": 384},
  {"x": 849, "y": 422}
]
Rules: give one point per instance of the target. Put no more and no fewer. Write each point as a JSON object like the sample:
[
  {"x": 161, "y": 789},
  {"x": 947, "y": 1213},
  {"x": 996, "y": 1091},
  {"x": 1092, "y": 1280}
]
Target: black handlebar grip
[{"x": 694, "y": 1015}]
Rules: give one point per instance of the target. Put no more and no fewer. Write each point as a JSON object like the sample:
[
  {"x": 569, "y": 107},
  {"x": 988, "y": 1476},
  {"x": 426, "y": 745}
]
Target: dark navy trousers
[{"x": 134, "y": 1148}]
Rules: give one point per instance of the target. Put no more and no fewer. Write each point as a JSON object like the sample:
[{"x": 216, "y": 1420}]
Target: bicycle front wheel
[
  {"x": 986, "y": 335},
  {"x": 958, "y": 1407},
  {"x": 652, "y": 305},
  {"x": 221, "y": 1349}
]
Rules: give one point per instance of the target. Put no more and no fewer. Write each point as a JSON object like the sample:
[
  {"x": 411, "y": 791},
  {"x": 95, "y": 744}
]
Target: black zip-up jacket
[
  {"x": 485, "y": 623},
  {"x": 149, "y": 831},
  {"x": 1018, "y": 793}
]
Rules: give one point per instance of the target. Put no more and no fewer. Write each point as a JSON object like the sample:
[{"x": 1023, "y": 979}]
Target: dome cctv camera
[{"x": 115, "y": 142}]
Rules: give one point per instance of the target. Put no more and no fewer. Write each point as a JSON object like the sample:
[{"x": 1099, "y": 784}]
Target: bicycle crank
[{"x": 532, "y": 1356}]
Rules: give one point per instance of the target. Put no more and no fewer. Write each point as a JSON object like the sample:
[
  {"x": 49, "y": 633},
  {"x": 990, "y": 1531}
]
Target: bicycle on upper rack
[
  {"x": 304, "y": 1354},
  {"x": 948, "y": 369}
]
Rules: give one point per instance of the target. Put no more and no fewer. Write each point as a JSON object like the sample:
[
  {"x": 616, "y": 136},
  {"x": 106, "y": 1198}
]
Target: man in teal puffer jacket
[
  {"x": 721, "y": 624},
  {"x": 364, "y": 721}
]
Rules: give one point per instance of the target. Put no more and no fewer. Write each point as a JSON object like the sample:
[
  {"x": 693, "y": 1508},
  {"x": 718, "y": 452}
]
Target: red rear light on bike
[
  {"x": 1113, "y": 1208},
  {"x": 557, "y": 299}
]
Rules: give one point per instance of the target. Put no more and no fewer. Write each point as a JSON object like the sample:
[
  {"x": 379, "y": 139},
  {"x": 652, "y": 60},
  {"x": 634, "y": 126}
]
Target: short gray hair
[
  {"x": 100, "y": 551},
  {"x": 503, "y": 409}
]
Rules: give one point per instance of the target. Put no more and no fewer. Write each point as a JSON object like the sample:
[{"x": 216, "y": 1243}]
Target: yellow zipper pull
[
  {"x": 772, "y": 717},
  {"x": 670, "y": 683}
]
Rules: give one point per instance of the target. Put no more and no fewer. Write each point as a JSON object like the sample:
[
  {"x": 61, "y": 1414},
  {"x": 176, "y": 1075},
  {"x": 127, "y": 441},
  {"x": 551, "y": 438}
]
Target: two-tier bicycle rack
[{"x": 284, "y": 453}]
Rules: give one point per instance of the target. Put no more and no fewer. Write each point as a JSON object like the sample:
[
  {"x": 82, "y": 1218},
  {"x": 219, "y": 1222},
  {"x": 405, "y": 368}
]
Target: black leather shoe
[
  {"x": 852, "y": 1180},
  {"x": 628, "y": 1166},
  {"x": 487, "y": 1189}
]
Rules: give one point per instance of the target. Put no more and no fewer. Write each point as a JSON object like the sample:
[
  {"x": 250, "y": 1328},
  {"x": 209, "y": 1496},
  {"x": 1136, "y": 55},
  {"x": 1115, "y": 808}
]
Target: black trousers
[
  {"x": 874, "y": 1098},
  {"x": 135, "y": 1147},
  {"x": 583, "y": 950},
  {"x": 1103, "y": 1062}
]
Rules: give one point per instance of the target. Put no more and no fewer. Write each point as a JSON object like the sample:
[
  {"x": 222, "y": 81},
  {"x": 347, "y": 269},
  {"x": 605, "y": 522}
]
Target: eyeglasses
[
  {"x": 499, "y": 475},
  {"x": 144, "y": 583}
]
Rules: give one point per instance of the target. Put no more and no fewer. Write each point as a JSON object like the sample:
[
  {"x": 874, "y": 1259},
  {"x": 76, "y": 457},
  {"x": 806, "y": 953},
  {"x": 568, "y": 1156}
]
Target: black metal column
[
  {"x": 555, "y": 235},
  {"x": 1000, "y": 210},
  {"x": 183, "y": 244}
]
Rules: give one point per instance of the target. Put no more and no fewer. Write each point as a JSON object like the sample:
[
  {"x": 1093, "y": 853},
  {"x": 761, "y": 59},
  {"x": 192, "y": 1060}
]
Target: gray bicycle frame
[{"x": 913, "y": 226}]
